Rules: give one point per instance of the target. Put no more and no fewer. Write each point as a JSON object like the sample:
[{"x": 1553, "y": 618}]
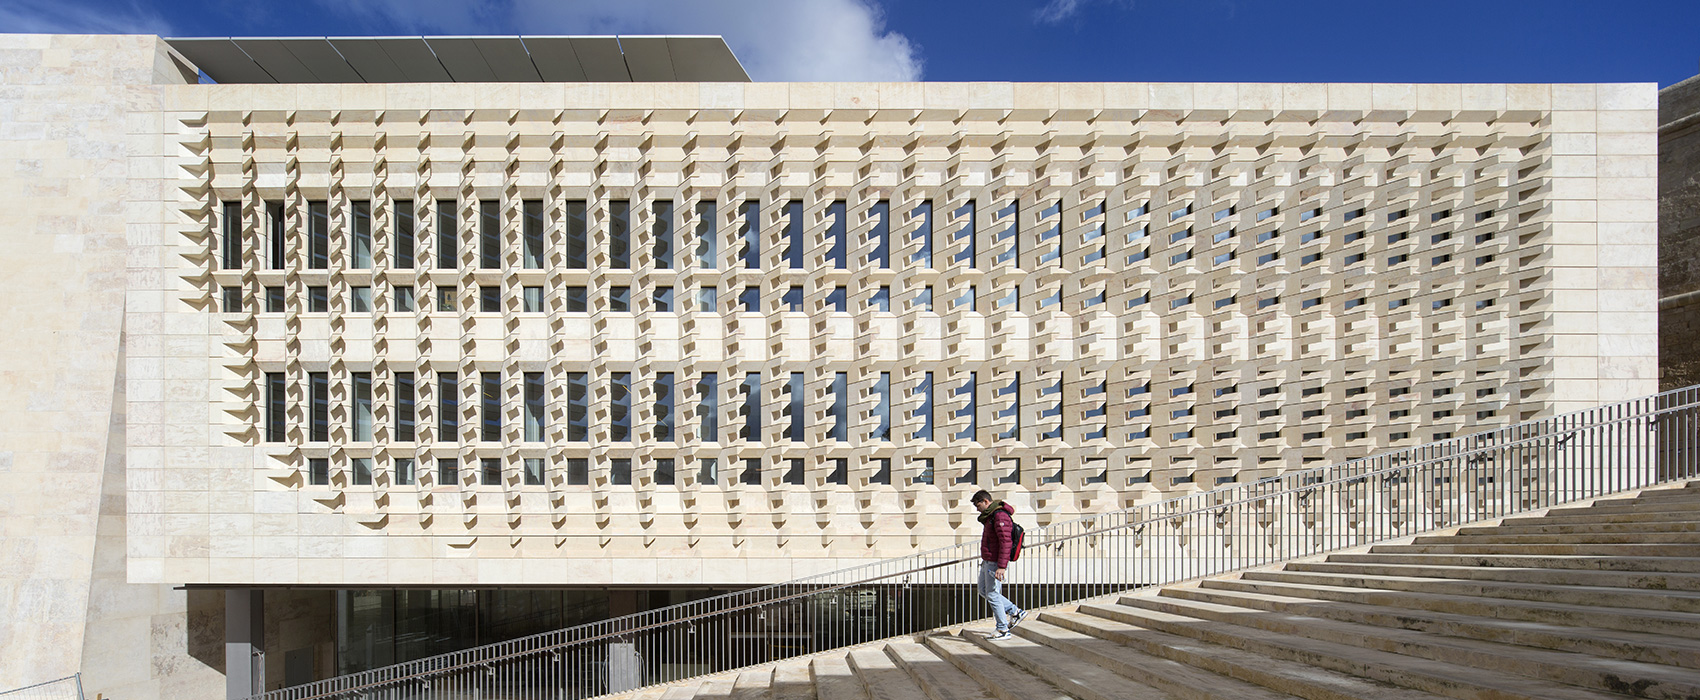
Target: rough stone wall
[{"x": 1679, "y": 234}]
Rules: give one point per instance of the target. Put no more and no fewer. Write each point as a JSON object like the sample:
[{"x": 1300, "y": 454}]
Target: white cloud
[
  {"x": 78, "y": 18},
  {"x": 1057, "y": 11},
  {"x": 781, "y": 40}
]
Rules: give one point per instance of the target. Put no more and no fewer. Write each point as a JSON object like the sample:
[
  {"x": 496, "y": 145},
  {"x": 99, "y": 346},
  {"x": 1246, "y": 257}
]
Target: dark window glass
[
  {"x": 278, "y": 239},
  {"x": 445, "y": 298},
  {"x": 752, "y": 472},
  {"x": 620, "y": 471},
  {"x": 794, "y": 407},
  {"x": 881, "y": 234},
  {"x": 794, "y": 299},
  {"x": 404, "y": 475},
  {"x": 836, "y": 234},
  {"x": 751, "y": 233},
  {"x": 708, "y": 300},
  {"x": 362, "y": 405},
  {"x": 318, "y": 236},
  {"x": 489, "y": 234},
  {"x": 794, "y": 472},
  {"x": 840, "y": 474},
  {"x": 708, "y": 471},
  {"x": 362, "y": 471},
  {"x": 319, "y": 399},
  {"x": 404, "y": 235},
  {"x": 578, "y": 471},
  {"x": 840, "y": 408},
  {"x": 533, "y": 471},
  {"x": 490, "y": 299},
  {"x": 448, "y": 407},
  {"x": 663, "y": 235},
  {"x": 752, "y": 407},
  {"x": 232, "y": 238},
  {"x": 231, "y": 300},
  {"x": 360, "y": 243},
  {"x": 751, "y": 300},
  {"x": 404, "y": 407},
  {"x": 836, "y": 300},
  {"x": 664, "y": 407},
  {"x": 620, "y": 234},
  {"x": 531, "y": 299},
  {"x": 925, "y": 412},
  {"x": 403, "y": 299},
  {"x": 318, "y": 471},
  {"x": 663, "y": 299},
  {"x": 448, "y": 235},
  {"x": 576, "y": 300},
  {"x": 578, "y": 407},
  {"x": 620, "y": 410},
  {"x": 882, "y": 408},
  {"x": 708, "y": 406},
  {"x": 490, "y": 471},
  {"x": 276, "y": 398},
  {"x": 969, "y": 254},
  {"x": 578, "y": 244},
  {"x": 971, "y": 409},
  {"x": 1012, "y": 234},
  {"x": 708, "y": 237},
  {"x": 664, "y": 468},
  {"x": 531, "y": 234},
  {"x": 924, "y": 233},
  {"x": 535, "y": 424},
  {"x": 881, "y": 300},
  {"x": 490, "y": 406},
  {"x": 619, "y": 298},
  {"x": 448, "y": 472},
  {"x": 795, "y": 246}
]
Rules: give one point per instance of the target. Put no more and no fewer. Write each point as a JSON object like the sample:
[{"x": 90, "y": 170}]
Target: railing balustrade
[{"x": 1444, "y": 484}]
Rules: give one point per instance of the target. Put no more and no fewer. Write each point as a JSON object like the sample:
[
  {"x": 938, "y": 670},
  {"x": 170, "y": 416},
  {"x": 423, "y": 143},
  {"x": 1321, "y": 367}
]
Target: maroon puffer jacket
[{"x": 995, "y": 539}]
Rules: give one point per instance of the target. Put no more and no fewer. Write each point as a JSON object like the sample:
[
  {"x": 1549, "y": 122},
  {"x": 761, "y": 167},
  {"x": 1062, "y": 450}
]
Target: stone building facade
[
  {"x": 719, "y": 334},
  {"x": 1679, "y": 234}
]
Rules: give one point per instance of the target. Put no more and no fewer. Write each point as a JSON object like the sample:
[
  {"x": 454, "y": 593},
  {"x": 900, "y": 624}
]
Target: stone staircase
[{"x": 1582, "y": 602}]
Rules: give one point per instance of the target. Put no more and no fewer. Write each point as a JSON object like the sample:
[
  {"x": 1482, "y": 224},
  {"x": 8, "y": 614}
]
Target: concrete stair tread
[
  {"x": 937, "y": 676},
  {"x": 681, "y": 692},
  {"x": 1078, "y": 677},
  {"x": 835, "y": 680},
  {"x": 1302, "y": 680},
  {"x": 1540, "y": 561},
  {"x": 753, "y": 685},
  {"x": 1570, "y": 528},
  {"x": 1567, "y": 667},
  {"x": 1598, "y": 538},
  {"x": 882, "y": 677},
  {"x": 1640, "y": 580},
  {"x": 1645, "y": 550},
  {"x": 717, "y": 688},
  {"x": 996, "y": 675},
  {"x": 1400, "y": 669},
  {"x": 1618, "y": 597},
  {"x": 1632, "y": 645},
  {"x": 1179, "y": 679},
  {"x": 791, "y": 681}
]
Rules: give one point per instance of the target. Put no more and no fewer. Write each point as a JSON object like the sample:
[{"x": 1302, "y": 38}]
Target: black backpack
[{"x": 1016, "y": 533}]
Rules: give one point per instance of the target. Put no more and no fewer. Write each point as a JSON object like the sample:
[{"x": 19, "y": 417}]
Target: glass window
[
  {"x": 619, "y": 298},
  {"x": 664, "y": 467},
  {"x": 707, "y": 236},
  {"x": 752, "y": 472},
  {"x": 620, "y": 234},
  {"x": 403, "y": 299},
  {"x": 708, "y": 471},
  {"x": 662, "y": 235},
  {"x": 751, "y": 299},
  {"x": 881, "y": 300},
  {"x": 752, "y": 407},
  {"x": 924, "y": 301},
  {"x": 404, "y": 407},
  {"x": 531, "y": 234},
  {"x": 664, "y": 299},
  {"x": 490, "y": 299},
  {"x": 751, "y": 233},
  {"x": 708, "y": 406},
  {"x": 318, "y": 236},
  {"x": 533, "y": 471},
  {"x": 274, "y": 300},
  {"x": 490, "y": 406},
  {"x": 360, "y": 244},
  {"x": 360, "y": 300},
  {"x": 795, "y": 246},
  {"x": 317, "y": 300},
  {"x": 836, "y": 235},
  {"x": 664, "y": 407},
  {"x": 923, "y": 233},
  {"x": 794, "y": 407},
  {"x": 620, "y": 471},
  {"x": 278, "y": 252},
  {"x": 489, "y": 234},
  {"x": 362, "y": 382},
  {"x": 231, "y": 300},
  {"x": 708, "y": 300},
  {"x": 835, "y": 299},
  {"x": 535, "y": 423},
  {"x": 925, "y": 413},
  {"x": 578, "y": 407},
  {"x": 448, "y": 407},
  {"x": 490, "y": 471},
  {"x": 531, "y": 299},
  {"x": 362, "y": 471},
  {"x": 620, "y": 400},
  {"x": 578, "y": 245},
  {"x": 276, "y": 403},
  {"x": 445, "y": 298},
  {"x": 881, "y": 234},
  {"x": 882, "y": 472},
  {"x": 448, "y": 472},
  {"x": 318, "y": 471},
  {"x": 576, "y": 300},
  {"x": 319, "y": 411},
  {"x": 578, "y": 471},
  {"x": 882, "y": 408},
  {"x": 404, "y": 475},
  {"x": 232, "y": 236},
  {"x": 966, "y": 214},
  {"x": 793, "y": 472},
  {"x": 448, "y": 235},
  {"x": 404, "y": 236},
  {"x": 840, "y": 473},
  {"x": 840, "y": 406}
]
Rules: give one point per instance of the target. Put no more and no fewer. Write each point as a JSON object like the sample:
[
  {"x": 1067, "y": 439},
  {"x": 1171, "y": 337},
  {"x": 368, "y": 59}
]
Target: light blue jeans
[{"x": 992, "y": 590}]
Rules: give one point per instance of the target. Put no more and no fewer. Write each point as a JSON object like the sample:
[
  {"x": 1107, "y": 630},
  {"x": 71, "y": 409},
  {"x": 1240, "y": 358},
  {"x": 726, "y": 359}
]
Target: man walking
[{"x": 995, "y": 541}]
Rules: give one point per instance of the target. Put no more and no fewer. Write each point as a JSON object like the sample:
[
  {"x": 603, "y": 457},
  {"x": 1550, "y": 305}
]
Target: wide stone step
[
  {"x": 939, "y": 678},
  {"x": 792, "y": 681},
  {"x": 1612, "y": 528},
  {"x": 1567, "y": 577},
  {"x": 1269, "y": 675},
  {"x": 1600, "y": 563},
  {"x": 1621, "y": 644},
  {"x": 1600, "y": 550},
  {"x": 716, "y": 688},
  {"x": 1637, "y": 538},
  {"x": 1611, "y": 675},
  {"x": 1676, "y": 601},
  {"x": 1673, "y": 507},
  {"x": 1676, "y": 624},
  {"x": 1412, "y": 672},
  {"x": 1684, "y": 517},
  {"x": 1084, "y": 677},
  {"x": 882, "y": 677},
  {"x": 835, "y": 680},
  {"x": 753, "y": 685},
  {"x": 997, "y": 676}
]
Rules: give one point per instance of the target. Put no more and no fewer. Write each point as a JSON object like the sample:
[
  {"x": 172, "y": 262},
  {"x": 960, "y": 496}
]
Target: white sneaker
[
  {"x": 1017, "y": 619},
  {"x": 1000, "y": 636}
]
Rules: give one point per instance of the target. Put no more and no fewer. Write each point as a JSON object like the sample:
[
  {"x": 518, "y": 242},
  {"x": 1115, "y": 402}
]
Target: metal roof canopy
[{"x": 467, "y": 59}]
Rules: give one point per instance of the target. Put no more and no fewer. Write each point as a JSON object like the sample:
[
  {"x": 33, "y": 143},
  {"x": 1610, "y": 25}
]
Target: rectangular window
[
  {"x": 926, "y": 412},
  {"x": 318, "y": 471},
  {"x": 403, "y": 299},
  {"x": 1011, "y": 234},
  {"x": 794, "y": 299},
  {"x": 708, "y": 300},
  {"x": 232, "y": 239},
  {"x": 531, "y": 234},
  {"x": 620, "y": 299},
  {"x": 836, "y": 299},
  {"x": 1013, "y": 391},
  {"x": 448, "y": 407},
  {"x": 664, "y": 468},
  {"x": 362, "y": 387},
  {"x": 318, "y": 236},
  {"x": 752, "y": 407},
  {"x": 578, "y": 242},
  {"x": 793, "y": 472},
  {"x": 882, "y": 471},
  {"x": 362, "y": 471},
  {"x": 404, "y": 407},
  {"x": 664, "y": 407},
  {"x": 535, "y": 424},
  {"x": 490, "y": 406},
  {"x": 970, "y": 409},
  {"x": 576, "y": 300},
  {"x": 578, "y": 471},
  {"x": 533, "y": 471},
  {"x": 663, "y": 300},
  {"x": 531, "y": 300},
  {"x": 840, "y": 405},
  {"x": 276, "y": 400},
  {"x": 750, "y": 299},
  {"x": 620, "y": 234},
  {"x": 881, "y": 234},
  {"x": 881, "y": 301},
  {"x": 708, "y": 471},
  {"x": 620, "y": 410},
  {"x": 404, "y": 475},
  {"x": 360, "y": 238},
  {"x": 708, "y": 238},
  {"x": 448, "y": 235},
  {"x": 620, "y": 471},
  {"x": 490, "y": 471},
  {"x": 836, "y": 234},
  {"x": 966, "y": 213},
  {"x": 924, "y": 301},
  {"x": 882, "y": 408},
  {"x": 490, "y": 299},
  {"x": 708, "y": 406},
  {"x": 752, "y": 472},
  {"x": 751, "y": 234},
  {"x": 578, "y": 407},
  {"x": 445, "y": 298},
  {"x": 277, "y": 238},
  {"x": 924, "y": 233},
  {"x": 489, "y": 234},
  {"x": 663, "y": 235},
  {"x": 448, "y": 472},
  {"x": 840, "y": 474},
  {"x": 231, "y": 300},
  {"x": 319, "y": 402},
  {"x": 795, "y": 246},
  {"x": 794, "y": 407},
  {"x": 404, "y": 235},
  {"x": 360, "y": 300}
]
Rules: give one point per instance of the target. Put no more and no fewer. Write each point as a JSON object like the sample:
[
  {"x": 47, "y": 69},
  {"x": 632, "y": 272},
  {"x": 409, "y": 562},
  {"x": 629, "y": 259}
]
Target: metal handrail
[
  {"x": 1569, "y": 457},
  {"x": 67, "y": 688}
]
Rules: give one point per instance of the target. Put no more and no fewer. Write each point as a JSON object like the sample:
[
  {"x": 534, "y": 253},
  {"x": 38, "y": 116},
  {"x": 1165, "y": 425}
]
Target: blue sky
[{"x": 1099, "y": 40}]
